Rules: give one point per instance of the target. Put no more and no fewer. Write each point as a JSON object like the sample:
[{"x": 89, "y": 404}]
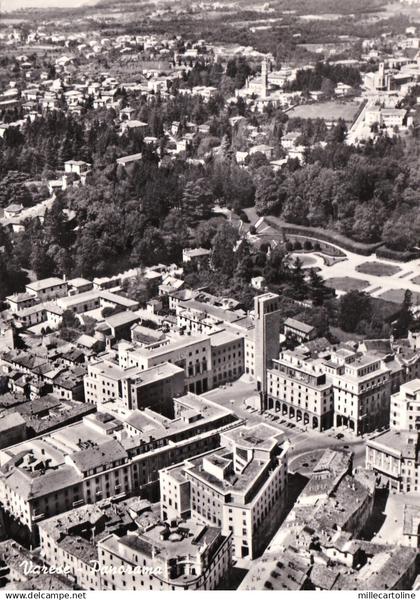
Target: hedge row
[
  {"x": 384, "y": 252},
  {"x": 331, "y": 237}
]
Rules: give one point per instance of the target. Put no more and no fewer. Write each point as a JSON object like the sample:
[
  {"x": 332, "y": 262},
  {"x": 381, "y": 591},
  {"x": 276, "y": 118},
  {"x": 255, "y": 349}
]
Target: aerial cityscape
[{"x": 210, "y": 295}]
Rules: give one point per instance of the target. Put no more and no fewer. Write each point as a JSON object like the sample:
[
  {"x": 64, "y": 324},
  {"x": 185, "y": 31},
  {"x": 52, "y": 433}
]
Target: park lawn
[
  {"x": 397, "y": 296},
  {"x": 377, "y": 268},
  {"x": 345, "y": 284}
]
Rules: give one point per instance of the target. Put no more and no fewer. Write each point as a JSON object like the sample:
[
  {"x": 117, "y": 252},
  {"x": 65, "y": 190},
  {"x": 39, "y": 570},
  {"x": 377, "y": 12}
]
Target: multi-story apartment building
[
  {"x": 69, "y": 541},
  {"x": 190, "y": 352},
  {"x": 395, "y": 457},
  {"x": 97, "y": 298},
  {"x": 240, "y": 487},
  {"x": 405, "y": 407},
  {"x": 21, "y": 301},
  {"x": 48, "y": 289},
  {"x": 362, "y": 390},
  {"x": 195, "y": 317},
  {"x": 133, "y": 387},
  {"x": 403, "y": 361},
  {"x": 185, "y": 556},
  {"x": 299, "y": 388},
  {"x": 101, "y": 456},
  {"x": 227, "y": 355}
]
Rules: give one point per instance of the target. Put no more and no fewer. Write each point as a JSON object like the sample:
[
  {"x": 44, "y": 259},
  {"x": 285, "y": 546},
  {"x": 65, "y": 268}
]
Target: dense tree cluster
[
  {"x": 324, "y": 77},
  {"x": 12, "y": 277},
  {"x": 369, "y": 194}
]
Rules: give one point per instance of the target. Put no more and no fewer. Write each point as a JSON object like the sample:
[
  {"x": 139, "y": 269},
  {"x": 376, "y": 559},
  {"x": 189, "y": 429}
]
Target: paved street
[{"x": 234, "y": 397}]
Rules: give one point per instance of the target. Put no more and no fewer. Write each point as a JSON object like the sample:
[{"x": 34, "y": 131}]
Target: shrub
[
  {"x": 384, "y": 252},
  {"x": 332, "y": 237}
]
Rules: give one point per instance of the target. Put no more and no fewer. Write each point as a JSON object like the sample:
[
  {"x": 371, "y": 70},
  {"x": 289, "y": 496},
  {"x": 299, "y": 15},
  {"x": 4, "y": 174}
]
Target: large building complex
[
  {"x": 179, "y": 556},
  {"x": 102, "y": 456},
  {"x": 299, "y": 388},
  {"x": 240, "y": 487},
  {"x": 134, "y": 387},
  {"x": 187, "y": 400},
  {"x": 362, "y": 390},
  {"x": 394, "y": 456},
  {"x": 190, "y": 352}
]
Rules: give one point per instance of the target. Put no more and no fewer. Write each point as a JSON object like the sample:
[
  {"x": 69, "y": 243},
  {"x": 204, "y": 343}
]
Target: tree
[
  {"x": 205, "y": 233},
  {"x": 299, "y": 288},
  {"x": 268, "y": 199},
  {"x": 174, "y": 224},
  {"x": 223, "y": 252},
  {"x": 14, "y": 189},
  {"x": 327, "y": 87},
  {"x": 139, "y": 288},
  {"x": 354, "y": 307},
  {"x": 41, "y": 262},
  {"x": 69, "y": 320},
  {"x": 244, "y": 263},
  {"x": 108, "y": 311},
  {"x": 150, "y": 249},
  {"x": 275, "y": 269},
  {"x": 318, "y": 291},
  {"x": 369, "y": 221},
  {"x": 197, "y": 201},
  {"x": 405, "y": 316},
  {"x": 338, "y": 133}
]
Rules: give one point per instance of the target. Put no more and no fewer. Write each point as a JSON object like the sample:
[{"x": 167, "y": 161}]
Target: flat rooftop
[
  {"x": 411, "y": 387},
  {"x": 188, "y": 538},
  {"x": 402, "y": 442},
  {"x": 260, "y": 436},
  {"x": 226, "y": 336},
  {"x": 169, "y": 344}
]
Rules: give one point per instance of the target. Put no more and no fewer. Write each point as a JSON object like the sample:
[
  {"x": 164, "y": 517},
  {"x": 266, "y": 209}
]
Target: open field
[
  {"x": 330, "y": 111},
  {"x": 345, "y": 284},
  {"x": 378, "y": 269}
]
